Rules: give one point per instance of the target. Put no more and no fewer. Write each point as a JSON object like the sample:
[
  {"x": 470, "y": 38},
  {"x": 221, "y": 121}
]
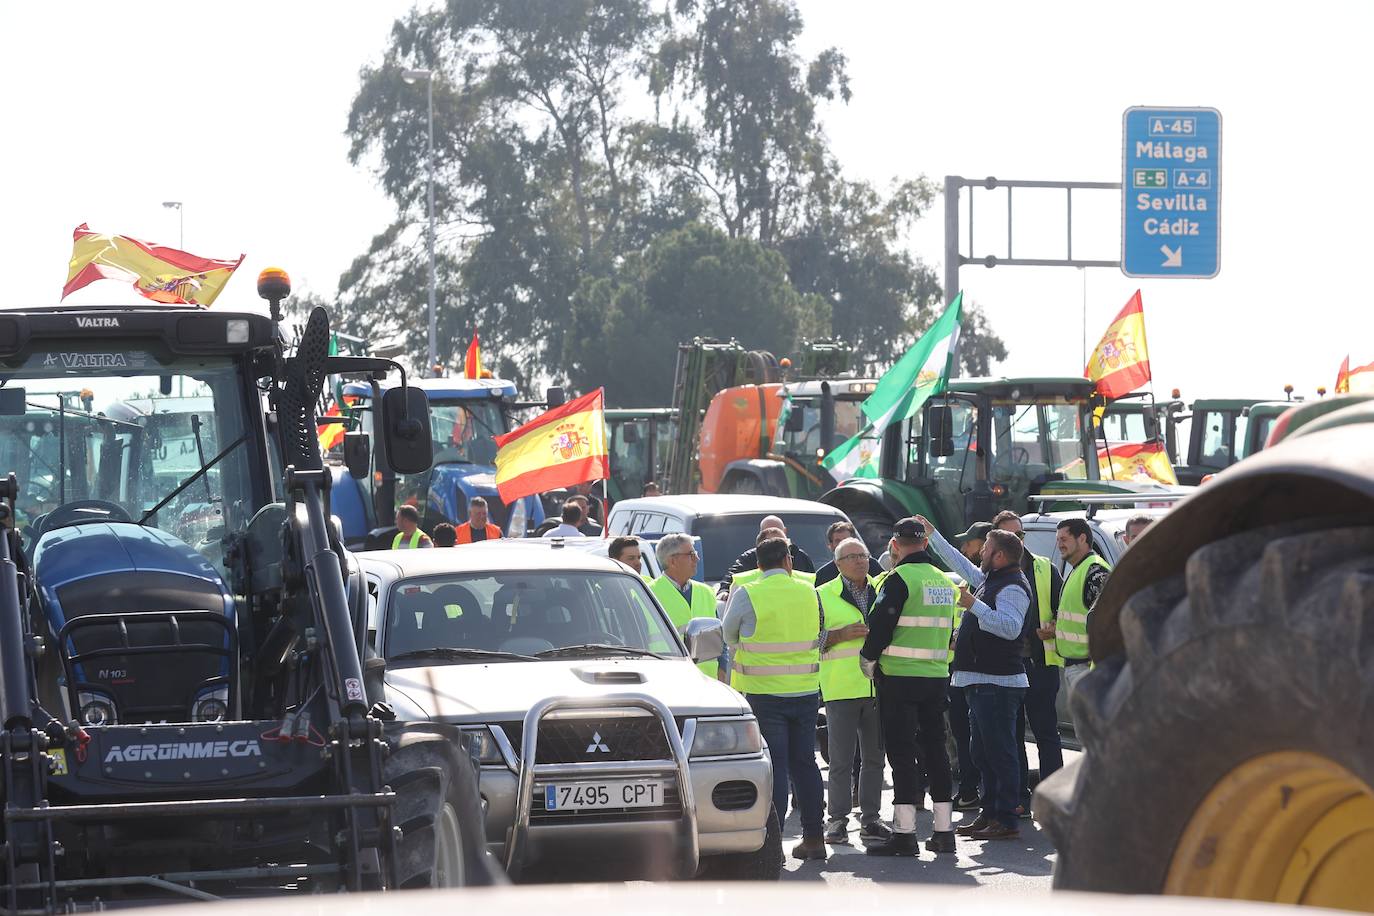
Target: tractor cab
[
  {"x": 1137, "y": 418},
  {"x": 640, "y": 439}
]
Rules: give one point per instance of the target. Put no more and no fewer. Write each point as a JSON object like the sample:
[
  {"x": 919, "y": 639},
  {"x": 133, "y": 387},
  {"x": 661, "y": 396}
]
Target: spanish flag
[
  {"x": 1357, "y": 380},
  {"x": 559, "y": 448},
  {"x": 472, "y": 362},
  {"x": 1121, "y": 362},
  {"x": 159, "y": 273},
  {"x": 1141, "y": 462}
]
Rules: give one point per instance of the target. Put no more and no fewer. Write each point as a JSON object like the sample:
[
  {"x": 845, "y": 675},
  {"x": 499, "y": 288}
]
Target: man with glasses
[
  {"x": 682, "y": 596},
  {"x": 834, "y": 535},
  {"x": 851, "y": 703}
]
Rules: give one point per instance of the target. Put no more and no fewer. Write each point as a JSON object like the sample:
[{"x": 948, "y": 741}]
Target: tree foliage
[{"x": 616, "y": 176}]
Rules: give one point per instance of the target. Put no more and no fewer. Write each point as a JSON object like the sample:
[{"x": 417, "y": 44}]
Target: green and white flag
[{"x": 923, "y": 371}]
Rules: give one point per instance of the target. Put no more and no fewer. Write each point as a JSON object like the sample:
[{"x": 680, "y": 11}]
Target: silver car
[{"x": 598, "y": 737}]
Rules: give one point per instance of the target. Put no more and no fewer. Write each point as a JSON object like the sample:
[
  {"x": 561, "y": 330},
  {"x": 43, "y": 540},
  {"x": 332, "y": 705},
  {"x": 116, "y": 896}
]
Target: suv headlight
[
  {"x": 722, "y": 737},
  {"x": 212, "y": 705},
  {"x": 519, "y": 519},
  {"x": 484, "y": 747},
  {"x": 96, "y": 709}
]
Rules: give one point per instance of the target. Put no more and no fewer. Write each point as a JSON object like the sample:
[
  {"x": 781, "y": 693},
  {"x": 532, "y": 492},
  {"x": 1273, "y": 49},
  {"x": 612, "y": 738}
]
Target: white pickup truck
[{"x": 595, "y": 731}]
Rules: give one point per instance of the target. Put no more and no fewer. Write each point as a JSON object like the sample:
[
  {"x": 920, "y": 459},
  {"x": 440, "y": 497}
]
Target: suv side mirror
[
  {"x": 404, "y": 424},
  {"x": 12, "y": 402},
  {"x": 705, "y": 639},
  {"x": 357, "y": 452},
  {"x": 554, "y": 397},
  {"x": 940, "y": 419}
]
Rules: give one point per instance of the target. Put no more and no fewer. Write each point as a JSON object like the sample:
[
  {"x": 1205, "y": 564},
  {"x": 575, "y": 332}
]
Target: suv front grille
[{"x": 594, "y": 740}]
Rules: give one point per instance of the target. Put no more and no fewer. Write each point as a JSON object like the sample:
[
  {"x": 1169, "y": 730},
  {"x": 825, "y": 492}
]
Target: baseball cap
[
  {"x": 976, "y": 531},
  {"x": 909, "y": 527}
]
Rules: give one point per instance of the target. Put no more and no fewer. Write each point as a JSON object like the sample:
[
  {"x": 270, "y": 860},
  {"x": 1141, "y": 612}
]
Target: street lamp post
[{"x": 411, "y": 77}]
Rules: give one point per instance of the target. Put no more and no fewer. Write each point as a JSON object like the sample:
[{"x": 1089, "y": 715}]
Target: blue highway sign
[{"x": 1171, "y": 192}]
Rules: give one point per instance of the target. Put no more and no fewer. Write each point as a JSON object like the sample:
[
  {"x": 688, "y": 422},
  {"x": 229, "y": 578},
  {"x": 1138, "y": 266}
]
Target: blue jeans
[
  {"x": 959, "y": 728},
  {"x": 992, "y": 713},
  {"x": 788, "y": 725}
]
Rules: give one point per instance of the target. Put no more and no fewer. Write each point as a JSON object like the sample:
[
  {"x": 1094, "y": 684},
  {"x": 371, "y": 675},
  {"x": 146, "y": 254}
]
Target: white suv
[{"x": 595, "y": 731}]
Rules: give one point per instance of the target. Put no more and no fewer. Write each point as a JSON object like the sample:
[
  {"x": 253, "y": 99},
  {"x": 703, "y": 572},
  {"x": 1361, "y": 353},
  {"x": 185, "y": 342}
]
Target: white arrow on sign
[{"x": 1173, "y": 257}]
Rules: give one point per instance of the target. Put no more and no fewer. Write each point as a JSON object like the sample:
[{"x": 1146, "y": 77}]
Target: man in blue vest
[{"x": 989, "y": 666}]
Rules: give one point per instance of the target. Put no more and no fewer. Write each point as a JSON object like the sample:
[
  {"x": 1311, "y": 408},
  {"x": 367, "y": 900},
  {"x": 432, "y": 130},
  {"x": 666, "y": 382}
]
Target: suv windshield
[
  {"x": 525, "y": 614},
  {"x": 725, "y": 537},
  {"x": 117, "y": 437}
]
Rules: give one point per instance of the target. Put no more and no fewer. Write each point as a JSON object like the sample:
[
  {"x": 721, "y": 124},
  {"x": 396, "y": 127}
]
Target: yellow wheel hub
[{"x": 1288, "y": 827}]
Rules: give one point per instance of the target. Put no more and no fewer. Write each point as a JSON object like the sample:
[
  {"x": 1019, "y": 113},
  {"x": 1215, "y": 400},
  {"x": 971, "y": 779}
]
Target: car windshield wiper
[
  {"x": 448, "y": 652},
  {"x": 597, "y": 648}
]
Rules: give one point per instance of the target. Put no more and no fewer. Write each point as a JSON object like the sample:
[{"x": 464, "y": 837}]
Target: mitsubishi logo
[{"x": 597, "y": 744}]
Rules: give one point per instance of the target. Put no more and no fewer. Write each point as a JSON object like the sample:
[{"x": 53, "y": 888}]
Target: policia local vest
[
  {"x": 783, "y": 654},
  {"x": 680, "y": 612},
  {"x": 841, "y": 676},
  {"x": 1071, "y": 632},
  {"x": 920, "y": 642},
  {"x": 1040, "y": 568}
]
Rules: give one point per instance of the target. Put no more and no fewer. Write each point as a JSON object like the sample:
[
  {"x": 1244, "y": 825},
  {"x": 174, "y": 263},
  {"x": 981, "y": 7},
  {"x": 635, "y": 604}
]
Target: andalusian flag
[
  {"x": 1142, "y": 462},
  {"x": 1121, "y": 362},
  {"x": 1354, "y": 381},
  {"x": 559, "y": 448},
  {"x": 922, "y": 372},
  {"x": 159, "y": 273},
  {"x": 472, "y": 361}
]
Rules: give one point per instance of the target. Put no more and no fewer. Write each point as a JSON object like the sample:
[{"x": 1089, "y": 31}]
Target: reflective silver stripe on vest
[
  {"x": 938, "y": 655},
  {"x": 778, "y": 648},
  {"x": 1071, "y": 617},
  {"x": 1073, "y": 637},
  {"x": 834, "y": 654},
  {"x": 772, "y": 670},
  {"x": 939, "y": 623}
]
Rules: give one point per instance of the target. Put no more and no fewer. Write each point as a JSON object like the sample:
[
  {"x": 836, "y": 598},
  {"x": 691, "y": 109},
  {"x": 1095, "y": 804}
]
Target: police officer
[
  {"x": 1074, "y": 540},
  {"x": 775, "y": 625},
  {"x": 907, "y": 646},
  {"x": 682, "y": 596}
]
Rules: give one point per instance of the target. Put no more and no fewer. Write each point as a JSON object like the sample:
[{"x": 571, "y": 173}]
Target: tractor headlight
[
  {"x": 211, "y": 706},
  {"x": 97, "y": 709},
  {"x": 518, "y": 519},
  {"x": 723, "y": 737},
  {"x": 484, "y": 746}
]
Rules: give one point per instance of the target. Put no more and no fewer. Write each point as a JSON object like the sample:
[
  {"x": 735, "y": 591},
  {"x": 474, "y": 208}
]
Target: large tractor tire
[
  {"x": 439, "y": 810},
  {"x": 1227, "y": 749},
  {"x": 764, "y": 864}
]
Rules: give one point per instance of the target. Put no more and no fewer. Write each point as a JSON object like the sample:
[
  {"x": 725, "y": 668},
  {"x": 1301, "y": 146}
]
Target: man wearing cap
[
  {"x": 907, "y": 652},
  {"x": 989, "y": 666},
  {"x": 750, "y": 558},
  {"x": 970, "y": 544}
]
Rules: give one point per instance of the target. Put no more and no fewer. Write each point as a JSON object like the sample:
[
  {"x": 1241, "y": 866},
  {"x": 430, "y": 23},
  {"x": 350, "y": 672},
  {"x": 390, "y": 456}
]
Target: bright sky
[{"x": 239, "y": 111}]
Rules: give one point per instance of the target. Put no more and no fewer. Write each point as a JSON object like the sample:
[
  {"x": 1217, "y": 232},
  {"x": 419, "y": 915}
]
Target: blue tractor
[{"x": 465, "y": 415}]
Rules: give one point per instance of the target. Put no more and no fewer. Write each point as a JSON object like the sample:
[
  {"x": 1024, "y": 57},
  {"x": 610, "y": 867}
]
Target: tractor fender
[
  {"x": 760, "y": 475},
  {"x": 1324, "y": 473}
]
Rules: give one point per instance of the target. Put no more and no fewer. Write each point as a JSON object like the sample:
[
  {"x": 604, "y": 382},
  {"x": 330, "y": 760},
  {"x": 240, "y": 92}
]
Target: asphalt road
[{"x": 1019, "y": 866}]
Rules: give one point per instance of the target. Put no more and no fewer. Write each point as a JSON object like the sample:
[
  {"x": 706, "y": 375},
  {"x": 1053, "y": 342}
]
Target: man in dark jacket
[
  {"x": 750, "y": 558},
  {"x": 834, "y": 535}
]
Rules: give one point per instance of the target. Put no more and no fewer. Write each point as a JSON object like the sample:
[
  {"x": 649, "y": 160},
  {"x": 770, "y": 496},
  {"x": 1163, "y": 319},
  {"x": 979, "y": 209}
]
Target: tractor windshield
[
  {"x": 125, "y": 431},
  {"x": 806, "y": 440},
  {"x": 1035, "y": 440},
  {"x": 463, "y": 429}
]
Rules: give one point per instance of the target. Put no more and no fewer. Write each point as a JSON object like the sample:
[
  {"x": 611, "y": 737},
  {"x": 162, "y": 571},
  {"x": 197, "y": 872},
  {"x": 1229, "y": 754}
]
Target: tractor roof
[
  {"x": 1074, "y": 387},
  {"x": 447, "y": 388}
]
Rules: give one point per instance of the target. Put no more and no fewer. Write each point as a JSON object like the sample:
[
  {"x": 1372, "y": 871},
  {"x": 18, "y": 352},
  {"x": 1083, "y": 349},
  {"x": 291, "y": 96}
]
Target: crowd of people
[{"x": 974, "y": 631}]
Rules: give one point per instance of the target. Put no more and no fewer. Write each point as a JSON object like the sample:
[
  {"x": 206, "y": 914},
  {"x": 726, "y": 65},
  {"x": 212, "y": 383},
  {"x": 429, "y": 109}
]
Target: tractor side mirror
[
  {"x": 357, "y": 449},
  {"x": 629, "y": 434},
  {"x": 12, "y": 402},
  {"x": 405, "y": 430},
  {"x": 796, "y": 421},
  {"x": 164, "y": 385},
  {"x": 940, "y": 419},
  {"x": 554, "y": 397}
]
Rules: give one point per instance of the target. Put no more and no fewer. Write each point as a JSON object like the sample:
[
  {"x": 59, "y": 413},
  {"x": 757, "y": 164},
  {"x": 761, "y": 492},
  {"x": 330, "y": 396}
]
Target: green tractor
[
  {"x": 640, "y": 439},
  {"x": 984, "y": 445}
]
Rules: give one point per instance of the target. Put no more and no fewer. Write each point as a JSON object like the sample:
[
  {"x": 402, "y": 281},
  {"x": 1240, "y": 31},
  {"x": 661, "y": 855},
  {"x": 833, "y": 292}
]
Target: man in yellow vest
[
  {"x": 682, "y": 596},
  {"x": 1043, "y": 664},
  {"x": 746, "y": 576},
  {"x": 409, "y": 536},
  {"x": 1074, "y": 540},
  {"x": 749, "y": 559},
  {"x": 851, "y": 703},
  {"x": 907, "y": 650},
  {"x": 775, "y": 626}
]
